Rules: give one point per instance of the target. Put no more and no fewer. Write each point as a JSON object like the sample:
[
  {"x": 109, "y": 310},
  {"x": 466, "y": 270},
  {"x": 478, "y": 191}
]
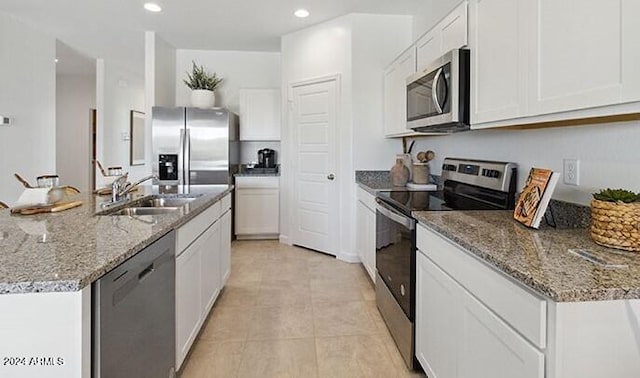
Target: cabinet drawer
[
  {"x": 523, "y": 310},
  {"x": 366, "y": 198},
  {"x": 190, "y": 231},
  {"x": 266, "y": 182}
]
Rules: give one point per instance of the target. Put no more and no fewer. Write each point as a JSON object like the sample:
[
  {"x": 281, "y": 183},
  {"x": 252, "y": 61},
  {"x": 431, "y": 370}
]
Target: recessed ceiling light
[
  {"x": 56, "y": 60},
  {"x": 301, "y": 13},
  {"x": 152, "y": 7}
]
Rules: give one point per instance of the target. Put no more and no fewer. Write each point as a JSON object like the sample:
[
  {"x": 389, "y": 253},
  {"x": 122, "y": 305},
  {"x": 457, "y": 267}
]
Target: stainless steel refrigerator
[{"x": 193, "y": 146}]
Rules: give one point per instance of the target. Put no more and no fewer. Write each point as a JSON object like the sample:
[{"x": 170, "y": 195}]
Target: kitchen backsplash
[
  {"x": 249, "y": 151},
  {"x": 564, "y": 214}
]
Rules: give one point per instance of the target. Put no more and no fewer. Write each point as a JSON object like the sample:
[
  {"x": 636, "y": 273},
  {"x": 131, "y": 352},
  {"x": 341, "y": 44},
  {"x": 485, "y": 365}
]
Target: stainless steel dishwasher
[{"x": 134, "y": 315}]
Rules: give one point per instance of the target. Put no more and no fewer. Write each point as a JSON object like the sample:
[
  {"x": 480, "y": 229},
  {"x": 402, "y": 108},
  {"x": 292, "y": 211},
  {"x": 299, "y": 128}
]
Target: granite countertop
[
  {"x": 541, "y": 259},
  {"x": 69, "y": 250}
]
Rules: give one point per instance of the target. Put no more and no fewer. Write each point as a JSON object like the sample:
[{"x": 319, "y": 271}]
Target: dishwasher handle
[{"x": 146, "y": 272}]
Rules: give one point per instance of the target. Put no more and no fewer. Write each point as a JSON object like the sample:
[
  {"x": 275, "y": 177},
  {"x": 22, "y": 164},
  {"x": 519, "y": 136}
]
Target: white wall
[
  {"x": 376, "y": 41},
  {"x": 75, "y": 97},
  {"x": 608, "y": 153},
  {"x": 27, "y": 95},
  {"x": 239, "y": 69},
  {"x": 118, "y": 92},
  {"x": 356, "y": 47}
]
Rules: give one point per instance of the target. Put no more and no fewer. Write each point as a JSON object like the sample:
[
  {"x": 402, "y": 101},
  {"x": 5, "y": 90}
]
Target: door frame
[{"x": 339, "y": 172}]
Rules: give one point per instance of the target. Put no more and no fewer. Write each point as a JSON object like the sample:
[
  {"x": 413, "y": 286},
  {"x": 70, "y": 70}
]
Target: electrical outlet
[
  {"x": 125, "y": 136},
  {"x": 571, "y": 172}
]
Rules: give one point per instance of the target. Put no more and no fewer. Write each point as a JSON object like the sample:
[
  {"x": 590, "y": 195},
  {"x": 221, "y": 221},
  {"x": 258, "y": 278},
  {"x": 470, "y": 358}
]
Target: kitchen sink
[
  {"x": 133, "y": 211},
  {"x": 164, "y": 202}
]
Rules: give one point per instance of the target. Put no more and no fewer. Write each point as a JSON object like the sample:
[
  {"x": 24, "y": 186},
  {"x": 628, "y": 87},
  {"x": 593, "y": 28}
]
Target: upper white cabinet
[
  {"x": 546, "y": 60},
  {"x": 583, "y": 54},
  {"x": 260, "y": 114},
  {"x": 450, "y": 33},
  {"x": 498, "y": 72},
  {"x": 395, "y": 93}
]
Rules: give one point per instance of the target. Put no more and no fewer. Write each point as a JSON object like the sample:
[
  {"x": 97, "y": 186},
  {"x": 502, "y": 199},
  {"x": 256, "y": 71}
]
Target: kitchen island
[
  {"x": 48, "y": 263},
  {"x": 497, "y": 299}
]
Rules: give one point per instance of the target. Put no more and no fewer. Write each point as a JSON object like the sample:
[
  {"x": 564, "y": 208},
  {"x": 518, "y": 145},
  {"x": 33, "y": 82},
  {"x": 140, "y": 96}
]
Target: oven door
[{"x": 396, "y": 254}]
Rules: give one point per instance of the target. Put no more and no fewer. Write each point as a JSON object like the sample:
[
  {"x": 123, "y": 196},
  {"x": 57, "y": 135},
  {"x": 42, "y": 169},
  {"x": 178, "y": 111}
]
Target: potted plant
[
  {"x": 202, "y": 85},
  {"x": 615, "y": 219}
]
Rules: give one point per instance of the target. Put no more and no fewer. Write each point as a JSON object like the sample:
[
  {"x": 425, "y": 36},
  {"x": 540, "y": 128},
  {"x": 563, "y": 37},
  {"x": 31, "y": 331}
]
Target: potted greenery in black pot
[{"x": 202, "y": 85}]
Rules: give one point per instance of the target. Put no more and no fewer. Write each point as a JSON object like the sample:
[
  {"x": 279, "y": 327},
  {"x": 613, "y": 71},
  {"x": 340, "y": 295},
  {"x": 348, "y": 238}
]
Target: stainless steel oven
[
  {"x": 438, "y": 95},
  {"x": 395, "y": 284},
  {"x": 467, "y": 185}
]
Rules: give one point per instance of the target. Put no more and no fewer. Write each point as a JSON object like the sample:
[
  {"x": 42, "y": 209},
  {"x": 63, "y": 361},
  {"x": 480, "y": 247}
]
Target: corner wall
[{"x": 28, "y": 97}]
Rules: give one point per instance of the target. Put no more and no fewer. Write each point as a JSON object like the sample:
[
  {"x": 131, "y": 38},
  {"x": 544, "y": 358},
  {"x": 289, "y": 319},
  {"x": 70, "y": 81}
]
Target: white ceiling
[{"x": 114, "y": 29}]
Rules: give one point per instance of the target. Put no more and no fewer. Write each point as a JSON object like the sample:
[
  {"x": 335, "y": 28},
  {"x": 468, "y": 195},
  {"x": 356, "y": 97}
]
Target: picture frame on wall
[{"x": 137, "y": 140}]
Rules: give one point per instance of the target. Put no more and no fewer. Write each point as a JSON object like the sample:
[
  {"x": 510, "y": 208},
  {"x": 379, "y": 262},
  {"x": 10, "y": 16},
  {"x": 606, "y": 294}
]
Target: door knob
[{"x": 331, "y": 177}]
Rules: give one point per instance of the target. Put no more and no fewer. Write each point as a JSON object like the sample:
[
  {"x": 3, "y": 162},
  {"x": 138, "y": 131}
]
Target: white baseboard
[
  {"x": 284, "y": 239},
  {"x": 348, "y": 257}
]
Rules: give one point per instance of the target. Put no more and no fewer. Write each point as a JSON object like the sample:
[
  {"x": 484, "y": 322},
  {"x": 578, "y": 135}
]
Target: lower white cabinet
[
  {"x": 366, "y": 231},
  {"x": 202, "y": 267},
  {"x": 225, "y": 250},
  {"x": 458, "y": 336},
  {"x": 257, "y": 207},
  {"x": 436, "y": 323}
]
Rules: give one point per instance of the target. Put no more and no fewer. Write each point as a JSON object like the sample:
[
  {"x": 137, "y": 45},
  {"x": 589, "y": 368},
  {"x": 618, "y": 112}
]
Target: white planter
[{"x": 202, "y": 98}]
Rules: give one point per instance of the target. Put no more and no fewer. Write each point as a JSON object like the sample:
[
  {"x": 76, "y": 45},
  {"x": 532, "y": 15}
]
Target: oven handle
[{"x": 405, "y": 221}]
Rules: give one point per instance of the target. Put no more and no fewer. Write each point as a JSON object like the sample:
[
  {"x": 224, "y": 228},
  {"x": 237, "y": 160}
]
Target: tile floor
[{"x": 290, "y": 312}]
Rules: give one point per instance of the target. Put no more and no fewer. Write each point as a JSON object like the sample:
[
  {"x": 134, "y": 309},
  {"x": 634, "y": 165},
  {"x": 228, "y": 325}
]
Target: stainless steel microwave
[{"x": 438, "y": 95}]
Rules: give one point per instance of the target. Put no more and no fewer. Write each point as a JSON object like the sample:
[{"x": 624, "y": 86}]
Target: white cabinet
[
  {"x": 490, "y": 348},
  {"x": 448, "y": 34},
  {"x": 471, "y": 321},
  {"x": 210, "y": 267},
  {"x": 583, "y": 54},
  {"x": 225, "y": 247},
  {"x": 188, "y": 296},
  {"x": 202, "y": 265},
  {"x": 436, "y": 330},
  {"x": 498, "y": 60},
  {"x": 366, "y": 231},
  {"x": 257, "y": 207},
  {"x": 543, "y": 60},
  {"x": 395, "y": 93},
  {"x": 260, "y": 114}
]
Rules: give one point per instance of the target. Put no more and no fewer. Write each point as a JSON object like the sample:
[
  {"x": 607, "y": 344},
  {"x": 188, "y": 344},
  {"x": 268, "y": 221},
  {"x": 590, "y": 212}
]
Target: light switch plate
[{"x": 125, "y": 136}]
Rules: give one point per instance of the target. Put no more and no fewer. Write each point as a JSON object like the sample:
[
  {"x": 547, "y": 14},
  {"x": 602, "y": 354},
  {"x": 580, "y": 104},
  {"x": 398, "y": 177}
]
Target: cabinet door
[
  {"x": 257, "y": 211},
  {"x": 209, "y": 244},
  {"x": 260, "y": 114},
  {"x": 370, "y": 243},
  {"x": 490, "y": 348},
  {"x": 577, "y": 53},
  {"x": 188, "y": 298},
  {"x": 498, "y": 60},
  {"x": 428, "y": 48},
  {"x": 395, "y": 93},
  {"x": 437, "y": 311},
  {"x": 361, "y": 224},
  {"x": 225, "y": 248},
  {"x": 453, "y": 29}
]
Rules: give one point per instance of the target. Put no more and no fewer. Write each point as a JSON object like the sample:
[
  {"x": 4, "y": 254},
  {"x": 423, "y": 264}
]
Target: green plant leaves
[
  {"x": 199, "y": 78},
  {"x": 615, "y": 195}
]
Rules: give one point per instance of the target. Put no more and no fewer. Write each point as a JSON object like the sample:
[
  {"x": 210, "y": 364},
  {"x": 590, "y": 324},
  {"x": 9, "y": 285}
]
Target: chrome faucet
[{"x": 121, "y": 187}]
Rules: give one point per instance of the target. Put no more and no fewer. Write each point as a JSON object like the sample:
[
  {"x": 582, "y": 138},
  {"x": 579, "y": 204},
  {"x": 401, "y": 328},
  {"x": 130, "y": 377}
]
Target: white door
[
  {"x": 314, "y": 116},
  {"x": 209, "y": 244},
  {"x": 225, "y": 248},
  {"x": 188, "y": 310}
]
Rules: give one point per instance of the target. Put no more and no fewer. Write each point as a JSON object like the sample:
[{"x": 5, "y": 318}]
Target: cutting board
[{"x": 41, "y": 209}]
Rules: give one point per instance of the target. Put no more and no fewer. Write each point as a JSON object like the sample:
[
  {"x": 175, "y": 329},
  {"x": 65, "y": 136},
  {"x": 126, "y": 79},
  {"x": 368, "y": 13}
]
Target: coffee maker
[{"x": 266, "y": 158}]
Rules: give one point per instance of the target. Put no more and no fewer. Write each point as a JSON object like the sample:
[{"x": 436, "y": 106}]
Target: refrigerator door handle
[
  {"x": 181, "y": 159},
  {"x": 187, "y": 158}
]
